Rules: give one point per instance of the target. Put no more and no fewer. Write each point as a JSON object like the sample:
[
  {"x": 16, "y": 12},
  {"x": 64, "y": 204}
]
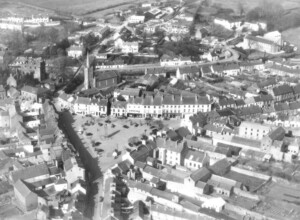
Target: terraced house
[{"x": 167, "y": 106}]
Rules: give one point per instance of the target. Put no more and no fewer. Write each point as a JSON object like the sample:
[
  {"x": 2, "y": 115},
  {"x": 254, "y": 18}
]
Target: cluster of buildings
[
  {"x": 44, "y": 173},
  {"x": 18, "y": 23}
]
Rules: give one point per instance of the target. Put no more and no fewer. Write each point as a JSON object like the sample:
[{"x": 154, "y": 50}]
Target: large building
[
  {"x": 261, "y": 44},
  {"x": 167, "y": 106},
  {"x": 100, "y": 79},
  {"x": 253, "y": 130},
  {"x": 29, "y": 65}
]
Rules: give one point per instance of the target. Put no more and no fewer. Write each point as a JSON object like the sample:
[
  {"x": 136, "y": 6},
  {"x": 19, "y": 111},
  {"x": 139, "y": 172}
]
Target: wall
[
  {"x": 248, "y": 195},
  {"x": 250, "y": 173},
  {"x": 245, "y": 212}
]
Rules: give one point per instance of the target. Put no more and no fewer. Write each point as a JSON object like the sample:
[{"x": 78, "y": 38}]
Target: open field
[
  {"x": 248, "y": 4},
  {"x": 292, "y": 36},
  {"x": 78, "y": 7}
]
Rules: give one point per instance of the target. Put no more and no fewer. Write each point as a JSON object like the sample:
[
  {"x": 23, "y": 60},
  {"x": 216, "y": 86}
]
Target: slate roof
[
  {"x": 197, "y": 175},
  {"x": 220, "y": 167},
  {"x": 296, "y": 89},
  {"x": 22, "y": 188},
  {"x": 281, "y": 107},
  {"x": 294, "y": 105},
  {"x": 277, "y": 134},
  {"x": 104, "y": 75},
  {"x": 194, "y": 155},
  {"x": 282, "y": 90},
  {"x": 170, "y": 145},
  {"x": 30, "y": 172}
]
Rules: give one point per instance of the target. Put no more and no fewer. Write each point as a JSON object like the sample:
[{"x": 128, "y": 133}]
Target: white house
[
  {"x": 130, "y": 47},
  {"x": 136, "y": 19},
  {"x": 75, "y": 51}
]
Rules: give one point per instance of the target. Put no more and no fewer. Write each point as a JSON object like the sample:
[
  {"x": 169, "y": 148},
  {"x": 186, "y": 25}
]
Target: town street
[{"x": 91, "y": 165}]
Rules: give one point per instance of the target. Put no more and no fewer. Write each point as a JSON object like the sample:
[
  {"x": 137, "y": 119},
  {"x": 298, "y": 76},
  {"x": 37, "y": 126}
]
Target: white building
[
  {"x": 88, "y": 106},
  {"x": 130, "y": 47},
  {"x": 75, "y": 51},
  {"x": 136, "y": 19}
]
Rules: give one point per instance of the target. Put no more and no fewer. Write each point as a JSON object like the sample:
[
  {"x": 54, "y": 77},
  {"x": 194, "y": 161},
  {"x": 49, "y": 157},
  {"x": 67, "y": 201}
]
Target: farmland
[
  {"x": 77, "y": 7},
  {"x": 287, "y": 4}
]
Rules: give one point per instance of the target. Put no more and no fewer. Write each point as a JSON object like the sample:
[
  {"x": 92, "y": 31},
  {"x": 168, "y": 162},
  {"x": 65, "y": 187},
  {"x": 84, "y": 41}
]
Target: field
[
  {"x": 287, "y": 4},
  {"x": 77, "y": 7},
  {"x": 292, "y": 36}
]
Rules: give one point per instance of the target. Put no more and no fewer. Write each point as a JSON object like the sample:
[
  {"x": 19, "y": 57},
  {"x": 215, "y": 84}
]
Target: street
[{"x": 90, "y": 164}]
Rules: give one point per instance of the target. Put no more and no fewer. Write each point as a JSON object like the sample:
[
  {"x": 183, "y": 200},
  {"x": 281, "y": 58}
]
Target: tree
[
  {"x": 16, "y": 43},
  {"x": 52, "y": 34}
]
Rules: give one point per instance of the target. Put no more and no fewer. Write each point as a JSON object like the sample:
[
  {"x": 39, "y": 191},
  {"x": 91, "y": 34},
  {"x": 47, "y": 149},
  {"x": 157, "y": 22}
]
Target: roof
[
  {"x": 283, "y": 89},
  {"x": 260, "y": 39},
  {"x": 22, "y": 188},
  {"x": 183, "y": 132},
  {"x": 199, "y": 174},
  {"x": 220, "y": 167},
  {"x": 30, "y": 172},
  {"x": 277, "y": 134},
  {"x": 104, "y": 75},
  {"x": 194, "y": 155},
  {"x": 68, "y": 165},
  {"x": 30, "y": 89},
  {"x": 175, "y": 146}
]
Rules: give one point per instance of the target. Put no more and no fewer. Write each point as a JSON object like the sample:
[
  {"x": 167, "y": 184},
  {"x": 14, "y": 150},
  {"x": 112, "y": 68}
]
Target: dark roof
[
  {"x": 294, "y": 105},
  {"x": 277, "y": 134},
  {"x": 103, "y": 75},
  {"x": 240, "y": 102},
  {"x": 30, "y": 172},
  {"x": 281, "y": 107},
  {"x": 283, "y": 89},
  {"x": 220, "y": 167},
  {"x": 22, "y": 188},
  {"x": 297, "y": 89},
  {"x": 260, "y": 39},
  {"x": 199, "y": 174},
  {"x": 183, "y": 132}
]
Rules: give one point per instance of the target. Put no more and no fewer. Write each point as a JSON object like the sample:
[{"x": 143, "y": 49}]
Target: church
[{"x": 99, "y": 79}]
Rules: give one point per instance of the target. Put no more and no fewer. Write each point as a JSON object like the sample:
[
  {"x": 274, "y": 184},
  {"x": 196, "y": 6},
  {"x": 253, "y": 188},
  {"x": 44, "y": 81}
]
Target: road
[
  {"x": 233, "y": 58},
  {"x": 90, "y": 163}
]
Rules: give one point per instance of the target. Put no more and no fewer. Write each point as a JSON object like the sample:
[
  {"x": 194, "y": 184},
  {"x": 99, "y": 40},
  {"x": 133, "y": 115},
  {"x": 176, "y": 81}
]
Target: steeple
[{"x": 87, "y": 60}]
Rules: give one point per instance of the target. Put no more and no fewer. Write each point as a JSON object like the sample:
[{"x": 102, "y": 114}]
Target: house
[
  {"x": 195, "y": 159},
  {"x": 26, "y": 199},
  {"x": 138, "y": 211},
  {"x": 216, "y": 204},
  {"x": 167, "y": 60},
  {"x": 2, "y": 92},
  {"x": 5, "y": 120},
  {"x": 128, "y": 93},
  {"x": 88, "y": 106},
  {"x": 221, "y": 167},
  {"x": 105, "y": 79},
  {"x": 119, "y": 108},
  {"x": 185, "y": 73},
  {"x": 274, "y": 135},
  {"x": 11, "y": 81},
  {"x": 33, "y": 94},
  {"x": 226, "y": 103},
  {"x": 29, "y": 65},
  {"x": 130, "y": 47},
  {"x": 136, "y": 19},
  {"x": 74, "y": 170},
  {"x": 74, "y": 51},
  {"x": 64, "y": 101},
  {"x": 253, "y": 130},
  {"x": 282, "y": 93},
  {"x": 251, "y": 66},
  {"x": 261, "y": 44},
  {"x": 170, "y": 152}
]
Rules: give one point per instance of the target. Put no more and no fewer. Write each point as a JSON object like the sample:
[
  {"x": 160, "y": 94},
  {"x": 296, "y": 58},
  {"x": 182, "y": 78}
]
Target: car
[
  {"x": 166, "y": 118},
  {"x": 97, "y": 143},
  {"x": 107, "y": 121},
  {"x": 125, "y": 126},
  {"x": 112, "y": 125},
  {"x": 136, "y": 125}
]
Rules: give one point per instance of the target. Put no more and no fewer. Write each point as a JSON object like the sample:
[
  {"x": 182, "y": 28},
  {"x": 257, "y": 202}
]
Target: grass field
[
  {"x": 293, "y": 36},
  {"x": 248, "y": 4},
  {"x": 77, "y": 7}
]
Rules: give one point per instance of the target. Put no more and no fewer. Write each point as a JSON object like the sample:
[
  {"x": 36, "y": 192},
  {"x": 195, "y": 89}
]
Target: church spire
[{"x": 87, "y": 60}]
